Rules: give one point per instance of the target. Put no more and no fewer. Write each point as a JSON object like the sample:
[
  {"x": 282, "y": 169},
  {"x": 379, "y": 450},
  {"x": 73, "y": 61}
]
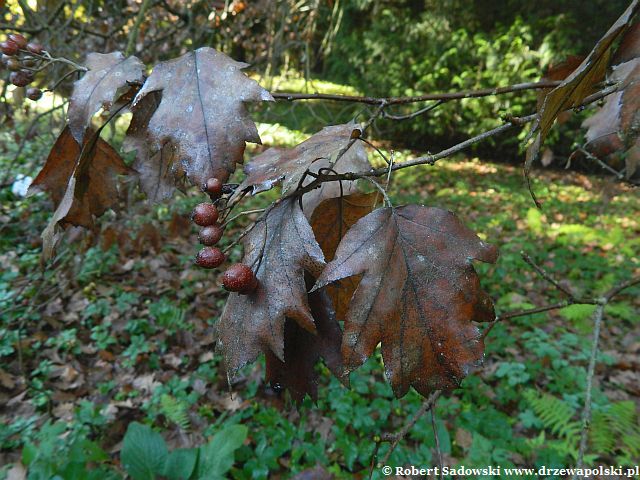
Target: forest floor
[{"x": 122, "y": 328}]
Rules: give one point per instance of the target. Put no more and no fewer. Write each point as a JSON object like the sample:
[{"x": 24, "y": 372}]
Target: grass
[{"x": 122, "y": 329}]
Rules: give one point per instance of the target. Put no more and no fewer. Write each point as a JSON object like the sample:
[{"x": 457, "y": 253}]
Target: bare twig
[
  {"x": 546, "y": 275},
  {"x": 246, "y": 212},
  {"x": 437, "y": 439},
  {"x": 133, "y": 34},
  {"x": 484, "y": 92},
  {"x": 431, "y": 159},
  {"x": 586, "y": 412},
  {"x": 415, "y": 114},
  {"x": 524, "y": 313},
  {"x": 590, "y": 156},
  {"x": 396, "y": 438},
  {"x": 623, "y": 286}
]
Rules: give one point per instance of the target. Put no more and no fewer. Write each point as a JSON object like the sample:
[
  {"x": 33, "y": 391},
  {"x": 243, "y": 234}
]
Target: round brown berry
[
  {"x": 213, "y": 187},
  {"x": 9, "y": 48},
  {"x": 18, "y": 39},
  {"x": 34, "y": 93},
  {"x": 205, "y": 214},
  {"x": 20, "y": 78},
  {"x": 210, "y": 235},
  {"x": 239, "y": 278},
  {"x": 13, "y": 64},
  {"x": 210, "y": 257},
  {"x": 35, "y": 48}
]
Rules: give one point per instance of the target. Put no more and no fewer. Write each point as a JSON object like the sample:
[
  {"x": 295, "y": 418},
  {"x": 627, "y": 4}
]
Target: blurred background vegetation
[
  {"x": 378, "y": 47},
  {"x": 120, "y": 327}
]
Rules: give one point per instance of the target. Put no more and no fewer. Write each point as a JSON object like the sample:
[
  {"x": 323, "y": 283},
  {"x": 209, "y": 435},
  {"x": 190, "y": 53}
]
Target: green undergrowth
[{"x": 116, "y": 338}]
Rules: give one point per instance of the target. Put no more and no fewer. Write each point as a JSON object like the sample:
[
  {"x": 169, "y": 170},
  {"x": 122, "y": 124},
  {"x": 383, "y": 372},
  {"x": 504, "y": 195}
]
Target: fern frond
[
  {"x": 175, "y": 411},
  {"x": 556, "y": 415}
]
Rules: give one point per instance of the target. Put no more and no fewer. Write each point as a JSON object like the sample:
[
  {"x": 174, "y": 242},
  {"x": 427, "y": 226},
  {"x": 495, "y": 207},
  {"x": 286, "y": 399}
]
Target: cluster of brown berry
[
  {"x": 238, "y": 277},
  {"x": 22, "y": 58}
]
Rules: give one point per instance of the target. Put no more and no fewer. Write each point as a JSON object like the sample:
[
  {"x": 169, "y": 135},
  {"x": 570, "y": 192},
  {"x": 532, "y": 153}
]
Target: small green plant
[
  {"x": 614, "y": 430},
  {"x": 54, "y": 455},
  {"x": 175, "y": 411},
  {"x": 145, "y": 455}
]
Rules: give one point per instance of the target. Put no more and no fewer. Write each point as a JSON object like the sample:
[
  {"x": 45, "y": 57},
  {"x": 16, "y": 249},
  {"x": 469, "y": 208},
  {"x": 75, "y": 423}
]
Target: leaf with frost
[
  {"x": 418, "y": 296},
  {"x": 108, "y": 74},
  {"x": 202, "y": 112}
]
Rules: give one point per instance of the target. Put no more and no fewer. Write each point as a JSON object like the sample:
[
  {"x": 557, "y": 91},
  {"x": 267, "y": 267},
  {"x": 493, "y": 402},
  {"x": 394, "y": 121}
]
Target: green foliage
[
  {"x": 51, "y": 456},
  {"x": 175, "y": 411},
  {"x": 555, "y": 414},
  {"x": 580, "y": 315},
  {"x": 409, "y": 48},
  {"x": 614, "y": 429},
  {"x": 139, "y": 330},
  {"x": 144, "y": 452},
  {"x": 145, "y": 455}
]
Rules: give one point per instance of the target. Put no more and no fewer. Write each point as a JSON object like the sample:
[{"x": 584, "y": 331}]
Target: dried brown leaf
[
  {"x": 303, "y": 350},
  {"x": 629, "y": 47},
  {"x": 82, "y": 183},
  {"x": 287, "y": 166},
  {"x": 158, "y": 170},
  {"x": 418, "y": 295},
  {"x": 280, "y": 248},
  {"x": 98, "y": 88},
  {"x": 578, "y": 85},
  {"x": 613, "y": 131},
  {"x": 202, "y": 112},
  {"x": 330, "y": 222}
]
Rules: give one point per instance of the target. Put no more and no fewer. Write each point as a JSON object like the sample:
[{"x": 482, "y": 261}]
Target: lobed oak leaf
[
  {"x": 418, "y": 296},
  {"x": 303, "y": 350},
  {"x": 578, "y": 85},
  {"x": 202, "y": 113},
  {"x": 82, "y": 183},
  {"x": 613, "y": 132},
  {"x": 158, "y": 171},
  {"x": 280, "y": 249},
  {"x": 330, "y": 222},
  {"x": 108, "y": 74},
  {"x": 288, "y": 166}
]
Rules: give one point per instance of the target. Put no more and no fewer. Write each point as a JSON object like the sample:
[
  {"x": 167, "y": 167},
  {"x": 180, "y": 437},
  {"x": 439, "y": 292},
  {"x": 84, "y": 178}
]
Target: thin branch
[
  {"x": 524, "y": 313},
  {"x": 546, "y": 275},
  {"x": 435, "y": 435},
  {"x": 133, "y": 34},
  {"x": 586, "y": 412},
  {"x": 619, "y": 175},
  {"x": 397, "y": 437},
  {"x": 246, "y": 212},
  {"x": 623, "y": 286},
  {"x": 484, "y": 92},
  {"x": 415, "y": 114},
  {"x": 424, "y": 160},
  {"x": 431, "y": 159}
]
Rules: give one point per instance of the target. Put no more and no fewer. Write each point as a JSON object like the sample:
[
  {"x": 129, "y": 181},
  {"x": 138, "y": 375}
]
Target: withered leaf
[
  {"x": 303, "y": 350},
  {"x": 279, "y": 248},
  {"x": 287, "y": 166},
  {"x": 202, "y": 112},
  {"x": 98, "y": 88},
  {"x": 418, "y": 295},
  {"x": 613, "y": 131},
  {"x": 330, "y": 222},
  {"x": 578, "y": 85},
  {"x": 158, "y": 171},
  {"x": 629, "y": 47},
  {"x": 82, "y": 183}
]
